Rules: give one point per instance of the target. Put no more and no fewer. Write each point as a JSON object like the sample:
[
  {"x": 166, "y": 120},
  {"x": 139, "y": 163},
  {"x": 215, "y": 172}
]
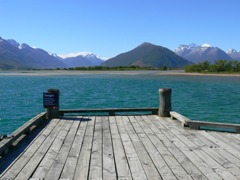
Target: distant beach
[{"x": 79, "y": 72}]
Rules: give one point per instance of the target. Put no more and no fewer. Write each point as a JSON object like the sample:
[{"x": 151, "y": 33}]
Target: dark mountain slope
[
  {"x": 15, "y": 56},
  {"x": 150, "y": 55},
  {"x": 10, "y": 56}
]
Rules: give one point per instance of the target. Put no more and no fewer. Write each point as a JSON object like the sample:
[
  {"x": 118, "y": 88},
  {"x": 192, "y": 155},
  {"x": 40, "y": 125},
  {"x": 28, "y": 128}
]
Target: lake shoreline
[
  {"x": 210, "y": 98},
  {"x": 134, "y": 72}
]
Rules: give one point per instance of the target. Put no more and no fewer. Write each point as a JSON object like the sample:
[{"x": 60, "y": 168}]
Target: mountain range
[
  {"x": 16, "y": 56},
  {"x": 22, "y": 56},
  {"x": 205, "y": 52},
  {"x": 81, "y": 59}
]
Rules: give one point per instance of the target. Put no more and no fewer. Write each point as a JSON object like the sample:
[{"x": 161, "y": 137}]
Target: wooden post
[
  {"x": 165, "y": 102},
  {"x": 51, "y": 103}
]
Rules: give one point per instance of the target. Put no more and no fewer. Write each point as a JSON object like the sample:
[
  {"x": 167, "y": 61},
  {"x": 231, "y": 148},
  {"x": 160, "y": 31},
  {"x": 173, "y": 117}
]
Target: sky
[{"x": 110, "y": 27}]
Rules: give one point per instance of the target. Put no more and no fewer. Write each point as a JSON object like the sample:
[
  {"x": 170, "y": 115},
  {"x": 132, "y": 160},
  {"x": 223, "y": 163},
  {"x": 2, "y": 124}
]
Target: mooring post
[
  {"x": 51, "y": 103},
  {"x": 165, "y": 105}
]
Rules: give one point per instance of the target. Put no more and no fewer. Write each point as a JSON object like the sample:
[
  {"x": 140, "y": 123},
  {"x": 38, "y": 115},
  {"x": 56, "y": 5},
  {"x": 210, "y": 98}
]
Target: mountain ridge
[
  {"x": 147, "y": 54},
  {"x": 199, "y": 53},
  {"x": 14, "y": 55},
  {"x": 234, "y": 54},
  {"x": 81, "y": 59}
]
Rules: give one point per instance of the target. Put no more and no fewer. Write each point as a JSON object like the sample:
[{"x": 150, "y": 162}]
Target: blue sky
[{"x": 110, "y": 27}]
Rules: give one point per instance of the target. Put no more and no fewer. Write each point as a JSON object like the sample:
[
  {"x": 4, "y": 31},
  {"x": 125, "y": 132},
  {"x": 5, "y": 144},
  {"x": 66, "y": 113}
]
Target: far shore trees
[
  {"x": 119, "y": 68},
  {"x": 217, "y": 67}
]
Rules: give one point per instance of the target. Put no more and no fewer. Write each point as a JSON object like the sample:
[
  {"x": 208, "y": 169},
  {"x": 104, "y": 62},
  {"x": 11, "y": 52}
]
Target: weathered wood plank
[
  {"x": 25, "y": 128},
  {"x": 183, "y": 161},
  {"x": 230, "y": 141},
  {"x": 236, "y": 137},
  {"x": 188, "y": 151},
  {"x": 223, "y": 161},
  {"x": 199, "y": 146},
  {"x": 222, "y": 144},
  {"x": 220, "y": 170},
  {"x": 123, "y": 171},
  {"x": 113, "y": 111},
  {"x": 178, "y": 162},
  {"x": 214, "y": 125},
  {"x": 150, "y": 142},
  {"x": 184, "y": 120},
  {"x": 58, "y": 164},
  {"x": 71, "y": 163},
  {"x": 227, "y": 155},
  {"x": 23, "y": 159},
  {"x": 82, "y": 168},
  {"x": 109, "y": 171},
  {"x": 199, "y": 155},
  {"x": 198, "y": 124},
  {"x": 135, "y": 165},
  {"x": 210, "y": 149},
  {"x": 95, "y": 171},
  {"x": 32, "y": 164},
  {"x": 46, "y": 163},
  {"x": 221, "y": 165},
  {"x": 223, "y": 157},
  {"x": 127, "y": 147},
  {"x": 120, "y": 125},
  {"x": 146, "y": 161}
]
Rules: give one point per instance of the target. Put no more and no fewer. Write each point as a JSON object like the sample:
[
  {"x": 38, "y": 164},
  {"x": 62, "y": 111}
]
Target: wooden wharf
[{"x": 120, "y": 144}]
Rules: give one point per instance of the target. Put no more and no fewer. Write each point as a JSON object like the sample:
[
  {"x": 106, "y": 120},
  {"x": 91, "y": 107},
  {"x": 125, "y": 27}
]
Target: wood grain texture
[{"x": 126, "y": 147}]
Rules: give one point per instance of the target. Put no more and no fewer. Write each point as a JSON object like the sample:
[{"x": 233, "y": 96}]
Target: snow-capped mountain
[
  {"x": 14, "y": 55},
  {"x": 81, "y": 59},
  {"x": 231, "y": 51},
  {"x": 198, "y": 53},
  {"x": 234, "y": 54},
  {"x": 183, "y": 49},
  {"x": 22, "y": 56}
]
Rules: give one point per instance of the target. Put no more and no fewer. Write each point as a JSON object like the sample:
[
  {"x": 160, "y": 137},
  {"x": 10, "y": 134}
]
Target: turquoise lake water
[{"x": 206, "y": 98}]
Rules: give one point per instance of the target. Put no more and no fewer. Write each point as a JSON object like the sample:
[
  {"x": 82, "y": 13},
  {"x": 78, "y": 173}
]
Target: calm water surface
[{"x": 206, "y": 98}]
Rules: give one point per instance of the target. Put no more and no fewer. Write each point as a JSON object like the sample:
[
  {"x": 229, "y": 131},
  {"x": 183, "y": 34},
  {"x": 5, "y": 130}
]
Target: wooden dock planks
[{"x": 126, "y": 147}]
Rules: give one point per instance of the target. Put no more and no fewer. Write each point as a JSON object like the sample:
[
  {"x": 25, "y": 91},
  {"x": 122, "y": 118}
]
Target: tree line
[
  {"x": 117, "y": 68},
  {"x": 217, "y": 67}
]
